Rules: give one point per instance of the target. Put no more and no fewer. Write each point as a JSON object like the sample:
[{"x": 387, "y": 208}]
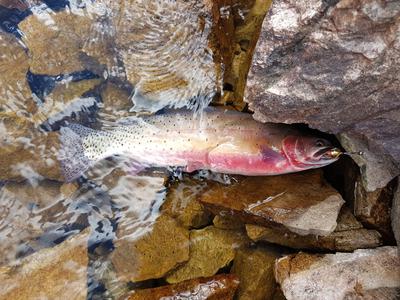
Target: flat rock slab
[
  {"x": 303, "y": 202},
  {"x": 55, "y": 273},
  {"x": 255, "y": 269},
  {"x": 218, "y": 287},
  {"x": 340, "y": 275},
  {"x": 349, "y": 235},
  {"x": 210, "y": 250}
]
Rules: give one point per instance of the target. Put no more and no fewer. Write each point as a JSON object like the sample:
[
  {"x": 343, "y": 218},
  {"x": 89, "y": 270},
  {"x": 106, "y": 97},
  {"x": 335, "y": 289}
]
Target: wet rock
[
  {"x": 238, "y": 24},
  {"x": 396, "y": 213},
  {"x": 19, "y": 4},
  {"x": 26, "y": 153},
  {"x": 340, "y": 275},
  {"x": 142, "y": 256},
  {"x": 333, "y": 65},
  {"x": 22, "y": 208},
  {"x": 65, "y": 99},
  {"x": 349, "y": 235},
  {"x": 222, "y": 286},
  {"x": 50, "y": 273},
  {"x": 296, "y": 201},
  {"x": 210, "y": 250},
  {"x": 182, "y": 203},
  {"x": 166, "y": 54},
  {"x": 15, "y": 94},
  {"x": 227, "y": 222},
  {"x": 373, "y": 208},
  {"x": 116, "y": 101},
  {"x": 255, "y": 269},
  {"x": 55, "y": 40}
]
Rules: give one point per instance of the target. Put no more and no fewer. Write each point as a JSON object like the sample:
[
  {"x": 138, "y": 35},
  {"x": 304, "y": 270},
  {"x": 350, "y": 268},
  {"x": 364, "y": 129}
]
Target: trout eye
[{"x": 319, "y": 143}]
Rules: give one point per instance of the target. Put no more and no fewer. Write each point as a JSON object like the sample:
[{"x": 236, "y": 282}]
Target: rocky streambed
[{"x": 162, "y": 234}]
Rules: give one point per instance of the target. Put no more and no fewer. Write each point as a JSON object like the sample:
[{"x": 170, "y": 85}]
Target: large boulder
[{"x": 334, "y": 65}]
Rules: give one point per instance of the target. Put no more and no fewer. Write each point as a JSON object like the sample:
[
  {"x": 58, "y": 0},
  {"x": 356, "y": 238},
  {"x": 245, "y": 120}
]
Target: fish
[{"x": 222, "y": 141}]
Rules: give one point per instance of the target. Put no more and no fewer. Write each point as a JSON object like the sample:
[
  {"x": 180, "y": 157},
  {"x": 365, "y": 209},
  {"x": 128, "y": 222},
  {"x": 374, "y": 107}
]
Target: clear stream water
[{"x": 144, "y": 53}]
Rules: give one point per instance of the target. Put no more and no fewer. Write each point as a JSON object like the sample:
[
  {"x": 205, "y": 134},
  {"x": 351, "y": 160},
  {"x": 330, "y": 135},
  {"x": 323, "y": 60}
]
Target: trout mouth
[{"x": 328, "y": 153}]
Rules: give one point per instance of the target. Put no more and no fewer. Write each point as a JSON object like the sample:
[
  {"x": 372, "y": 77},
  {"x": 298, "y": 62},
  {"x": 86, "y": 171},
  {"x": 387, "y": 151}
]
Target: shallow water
[{"x": 95, "y": 62}]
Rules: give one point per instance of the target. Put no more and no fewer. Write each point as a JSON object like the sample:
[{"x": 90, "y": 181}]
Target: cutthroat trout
[{"x": 220, "y": 141}]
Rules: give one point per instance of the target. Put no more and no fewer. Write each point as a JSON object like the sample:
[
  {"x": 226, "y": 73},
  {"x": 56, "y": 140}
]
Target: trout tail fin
[{"x": 72, "y": 156}]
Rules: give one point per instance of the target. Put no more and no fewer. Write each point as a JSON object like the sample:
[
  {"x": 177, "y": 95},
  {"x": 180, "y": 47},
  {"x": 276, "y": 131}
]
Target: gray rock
[
  {"x": 334, "y": 65},
  {"x": 354, "y": 275}
]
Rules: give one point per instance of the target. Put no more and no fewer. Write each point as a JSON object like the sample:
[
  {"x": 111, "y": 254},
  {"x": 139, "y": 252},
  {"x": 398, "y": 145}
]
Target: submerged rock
[
  {"x": 116, "y": 101},
  {"x": 210, "y": 250},
  {"x": 165, "y": 50},
  {"x": 354, "y": 275},
  {"x": 65, "y": 99},
  {"x": 26, "y": 153},
  {"x": 182, "y": 203},
  {"x": 255, "y": 269},
  {"x": 152, "y": 254},
  {"x": 27, "y": 210},
  {"x": 334, "y": 65},
  {"x": 19, "y": 4},
  {"x": 55, "y": 40},
  {"x": 222, "y": 286},
  {"x": 349, "y": 235},
  {"x": 59, "y": 272},
  {"x": 15, "y": 94},
  {"x": 303, "y": 202}
]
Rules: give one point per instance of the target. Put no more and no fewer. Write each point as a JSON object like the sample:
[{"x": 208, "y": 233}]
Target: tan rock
[
  {"x": 340, "y": 275},
  {"x": 255, "y": 269},
  {"x": 23, "y": 208},
  {"x": 221, "y": 287},
  {"x": 140, "y": 256},
  {"x": 247, "y": 18},
  {"x": 26, "y": 153},
  {"x": 55, "y": 41},
  {"x": 59, "y": 272},
  {"x": 227, "y": 222},
  {"x": 15, "y": 94},
  {"x": 116, "y": 102},
  {"x": 303, "y": 202},
  {"x": 181, "y": 203},
  {"x": 349, "y": 235},
  {"x": 65, "y": 99},
  {"x": 210, "y": 250}
]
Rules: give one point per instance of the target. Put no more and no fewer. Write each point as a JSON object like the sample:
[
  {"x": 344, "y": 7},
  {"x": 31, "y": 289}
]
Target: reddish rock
[
  {"x": 218, "y": 287},
  {"x": 295, "y": 201}
]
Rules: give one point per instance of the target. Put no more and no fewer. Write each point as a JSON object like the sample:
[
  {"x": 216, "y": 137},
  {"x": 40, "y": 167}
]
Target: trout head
[{"x": 306, "y": 152}]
